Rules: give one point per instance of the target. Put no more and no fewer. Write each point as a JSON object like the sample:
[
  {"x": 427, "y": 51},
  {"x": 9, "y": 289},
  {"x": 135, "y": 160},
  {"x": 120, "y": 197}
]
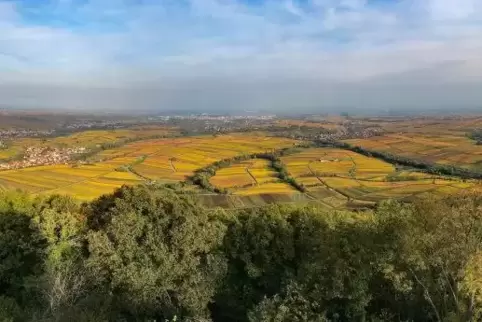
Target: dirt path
[
  {"x": 77, "y": 182},
  {"x": 320, "y": 201},
  {"x": 251, "y": 175},
  {"x": 173, "y": 167},
  {"x": 140, "y": 176},
  {"x": 326, "y": 185}
]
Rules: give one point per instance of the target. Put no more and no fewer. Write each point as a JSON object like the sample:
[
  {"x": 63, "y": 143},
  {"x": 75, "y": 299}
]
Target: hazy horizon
[{"x": 233, "y": 55}]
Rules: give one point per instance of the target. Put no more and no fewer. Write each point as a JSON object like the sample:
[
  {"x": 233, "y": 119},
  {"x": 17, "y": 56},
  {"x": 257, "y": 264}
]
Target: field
[
  {"x": 332, "y": 177},
  {"x": 160, "y": 160},
  {"x": 436, "y": 140},
  {"x": 442, "y": 149},
  {"x": 89, "y": 139},
  {"x": 253, "y": 200},
  {"x": 252, "y": 177},
  {"x": 337, "y": 178},
  {"x": 331, "y": 123}
]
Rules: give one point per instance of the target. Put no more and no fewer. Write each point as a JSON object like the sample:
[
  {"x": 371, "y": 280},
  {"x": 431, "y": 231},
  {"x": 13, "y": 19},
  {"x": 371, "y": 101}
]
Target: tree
[
  {"x": 65, "y": 283},
  {"x": 433, "y": 241},
  {"x": 296, "y": 259},
  {"x": 157, "y": 252},
  {"x": 22, "y": 252},
  {"x": 259, "y": 247},
  {"x": 291, "y": 306},
  {"x": 335, "y": 259}
]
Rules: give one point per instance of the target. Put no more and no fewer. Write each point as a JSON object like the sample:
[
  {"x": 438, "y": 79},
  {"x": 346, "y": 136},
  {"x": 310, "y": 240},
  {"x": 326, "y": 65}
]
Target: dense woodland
[{"x": 153, "y": 254}]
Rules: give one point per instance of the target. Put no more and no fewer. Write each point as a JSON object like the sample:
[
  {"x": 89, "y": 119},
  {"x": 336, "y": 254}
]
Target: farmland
[
  {"x": 331, "y": 177},
  {"x": 338, "y": 177},
  {"x": 160, "y": 160},
  {"x": 87, "y": 139},
  {"x": 441, "y": 149},
  {"x": 250, "y": 177},
  {"x": 433, "y": 140}
]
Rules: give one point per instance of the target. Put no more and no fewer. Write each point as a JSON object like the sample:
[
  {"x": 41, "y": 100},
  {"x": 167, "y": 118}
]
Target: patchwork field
[
  {"x": 176, "y": 159},
  {"x": 253, "y": 200},
  {"x": 447, "y": 149},
  {"x": 251, "y": 177},
  {"x": 333, "y": 177},
  {"x": 338, "y": 177},
  {"x": 160, "y": 160},
  {"x": 88, "y": 139}
]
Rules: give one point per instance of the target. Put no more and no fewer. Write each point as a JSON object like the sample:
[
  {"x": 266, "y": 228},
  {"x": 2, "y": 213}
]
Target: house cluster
[
  {"x": 23, "y": 133},
  {"x": 35, "y": 156},
  {"x": 92, "y": 124},
  {"x": 350, "y": 131}
]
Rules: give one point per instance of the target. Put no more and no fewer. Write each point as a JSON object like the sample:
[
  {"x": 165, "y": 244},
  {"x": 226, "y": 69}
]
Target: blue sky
[{"x": 277, "y": 53}]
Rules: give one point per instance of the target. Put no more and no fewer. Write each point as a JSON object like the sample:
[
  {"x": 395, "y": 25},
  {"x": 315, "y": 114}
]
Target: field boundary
[
  {"x": 202, "y": 176},
  {"x": 430, "y": 168}
]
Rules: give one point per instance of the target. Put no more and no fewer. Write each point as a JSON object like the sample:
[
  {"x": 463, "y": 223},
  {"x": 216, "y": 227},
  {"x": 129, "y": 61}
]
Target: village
[{"x": 38, "y": 155}]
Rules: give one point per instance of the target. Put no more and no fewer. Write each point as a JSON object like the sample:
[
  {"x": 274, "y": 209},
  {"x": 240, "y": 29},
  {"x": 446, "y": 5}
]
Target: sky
[{"x": 234, "y": 55}]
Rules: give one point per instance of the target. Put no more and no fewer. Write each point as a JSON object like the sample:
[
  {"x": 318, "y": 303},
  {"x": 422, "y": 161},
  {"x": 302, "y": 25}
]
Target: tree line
[
  {"x": 202, "y": 176},
  {"x": 476, "y": 135},
  {"x": 152, "y": 253},
  {"x": 427, "y": 167}
]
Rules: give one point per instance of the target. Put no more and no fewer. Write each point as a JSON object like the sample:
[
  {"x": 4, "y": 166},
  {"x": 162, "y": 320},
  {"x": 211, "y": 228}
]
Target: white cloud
[
  {"x": 338, "y": 41},
  {"x": 453, "y": 10}
]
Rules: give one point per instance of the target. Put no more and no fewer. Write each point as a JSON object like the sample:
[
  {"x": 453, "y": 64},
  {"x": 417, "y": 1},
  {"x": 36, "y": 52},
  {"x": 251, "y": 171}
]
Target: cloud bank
[{"x": 276, "y": 55}]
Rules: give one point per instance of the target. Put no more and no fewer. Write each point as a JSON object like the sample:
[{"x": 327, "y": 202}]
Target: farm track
[
  {"x": 326, "y": 185},
  {"x": 320, "y": 201},
  {"x": 77, "y": 182},
  {"x": 353, "y": 175},
  {"x": 252, "y": 176},
  {"x": 137, "y": 174},
  {"x": 173, "y": 167}
]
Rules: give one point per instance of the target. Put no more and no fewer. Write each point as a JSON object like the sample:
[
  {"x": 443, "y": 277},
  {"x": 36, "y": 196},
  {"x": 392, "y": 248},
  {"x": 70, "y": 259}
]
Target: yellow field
[
  {"x": 88, "y": 139},
  {"x": 337, "y": 176},
  {"x": 163, "y": 160},
  {"x": 267, "y": 188},
  {"x": 333, "y": 177},
  {"x": 250, "y": 173},
  {"x": 176, "y": 159},
  {"x": 443, "y": 149},
  {"x": 323, "y": 162}
]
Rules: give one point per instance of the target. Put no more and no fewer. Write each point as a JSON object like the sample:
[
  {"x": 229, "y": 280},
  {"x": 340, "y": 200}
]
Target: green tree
[
  {"x": 22, "y": 252},
  {"x": 259, "y": 246},
  {"x": 291, "y": 306},
  {"x": 433, "y": 241},
  {"x": 157, "y": 251},
  {"x": 326, "y": 255}
]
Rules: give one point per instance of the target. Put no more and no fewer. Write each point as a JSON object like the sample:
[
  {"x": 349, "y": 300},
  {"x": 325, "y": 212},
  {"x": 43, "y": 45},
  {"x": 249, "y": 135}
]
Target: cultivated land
[
  {"x": 332, "y": 177},
  {"x": 341, "y": 178},
  {"x": 435, "y": 140},
  {"x": 442, "y": 149},
  {"x": 88, "y": 139},
  {"x": 251, "y": 177},
  {"x": 160, "y": 160}
]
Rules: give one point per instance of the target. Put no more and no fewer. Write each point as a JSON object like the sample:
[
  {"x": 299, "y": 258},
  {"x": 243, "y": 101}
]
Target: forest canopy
[{"x": 153, "y": 253}]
